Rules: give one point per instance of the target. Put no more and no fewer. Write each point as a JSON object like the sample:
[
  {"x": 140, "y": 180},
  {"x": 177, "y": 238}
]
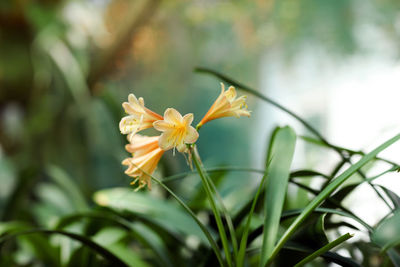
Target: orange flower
[
  {"x": 176, "y": 129},
  {"x": 226, "y": 105},
  {"x": 145, "y": 156},
  {"x": 139, "y": 117}
]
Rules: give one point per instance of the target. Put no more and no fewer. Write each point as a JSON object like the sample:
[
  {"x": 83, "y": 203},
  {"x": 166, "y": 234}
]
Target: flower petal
[
  {"x": 230, "y": 94},
  {"x": 129, "y": 124},
  {"x": 173, "y": 116},
  {"x": 167, "y": 140},
  {"x": 188, "y": 119},
  {"x": 243, "y": 112},
  {"x": 132, "y": 99},
  {"x": 126, "y": 161},
  {"x": 226, "y": 105},
  {"x": 191, "y": 135},
  {"x": 162, "y": 126},
  {"x": 141, "y": 101},
  {"x": 182, "y": 148},
  {"x": 222, "y": 87},
  {"x": 128, "y": 108}
]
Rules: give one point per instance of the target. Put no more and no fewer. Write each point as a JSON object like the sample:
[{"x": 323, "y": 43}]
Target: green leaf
[
  {"x": 53, "y": 204},
  {"x": 12, "y": 227},
  {"x": 344, "y": 192},
  {"x": 293, "y": 248},
  {"x": 141, "y": 232},
  {"x": 280, "y": 154},
  {"x": 131, "y": 258},
  {"x": 392, "y": 195},
  {"x": 312, "y": 232},
  {"x": 67, "y": 184},
  {"x": 147, "y": 236},
  {"x": 37, "y": 245},
  {"x": 243, "y": 241},
  {"x": 292, "y": 213},
  {"x": 324, "y": 249},
  {"x": 110, "y": 238},
  {"x": 107, "y": 254},
  {"x": 325, "y": 193},
  {"x": 394, "y": 256},
  {"x": 27, "y": 178},
  {"x": 387, "y": 233},
  {"x": 164, "y": 213},
  {"x": 311, "y": 235},
  {"x": 286, "y": 215},
  {"x": 307, "y": 173}
]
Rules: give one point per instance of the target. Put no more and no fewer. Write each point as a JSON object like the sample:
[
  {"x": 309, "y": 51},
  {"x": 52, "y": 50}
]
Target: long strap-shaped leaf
[
  {"x": 107, "y": 254},
  {"x": 280, "y": 154},
  {"x": 326, "y": 192},
  {"x": 243, "y": 241},
  {"x": 324, "y": 249}
]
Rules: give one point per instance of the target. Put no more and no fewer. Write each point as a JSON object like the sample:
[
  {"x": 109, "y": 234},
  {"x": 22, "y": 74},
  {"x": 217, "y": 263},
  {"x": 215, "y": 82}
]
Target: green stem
[
  {"x": 228, "y": 219},
  {"x": 324, "y": 249},
  {"x": 203, "y": 228},
  {"x": 214, "y": 208}
]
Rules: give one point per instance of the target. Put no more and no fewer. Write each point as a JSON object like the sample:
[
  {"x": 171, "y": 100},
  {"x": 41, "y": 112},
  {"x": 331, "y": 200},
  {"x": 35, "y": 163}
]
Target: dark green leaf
[
  {"x": 392, "y": 195},
  {"x": 107, "y": 254}
]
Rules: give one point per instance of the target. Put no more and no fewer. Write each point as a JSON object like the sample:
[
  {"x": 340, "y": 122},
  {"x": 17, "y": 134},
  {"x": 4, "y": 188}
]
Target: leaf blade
[
  {"x": 328, "y": 190},
  {"x": 280, "y": 153}
]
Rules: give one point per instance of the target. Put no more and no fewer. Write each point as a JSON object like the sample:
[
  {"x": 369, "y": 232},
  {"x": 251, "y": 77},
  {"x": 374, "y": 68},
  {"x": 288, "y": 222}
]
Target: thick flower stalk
[
  {"x": 177, "y": 130},
  {"x": 139, "y": 117},
  {"x": 226, "y": 105},
  {"x": 146, "y": 154}
]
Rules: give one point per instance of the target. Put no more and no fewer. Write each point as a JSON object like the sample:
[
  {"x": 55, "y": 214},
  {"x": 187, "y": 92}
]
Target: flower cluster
[{"x": 176, "y": 129}]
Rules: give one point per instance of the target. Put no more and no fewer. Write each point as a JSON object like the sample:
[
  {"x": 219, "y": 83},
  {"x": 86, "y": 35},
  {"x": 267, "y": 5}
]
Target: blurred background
[{"x": 66, "y": 67}]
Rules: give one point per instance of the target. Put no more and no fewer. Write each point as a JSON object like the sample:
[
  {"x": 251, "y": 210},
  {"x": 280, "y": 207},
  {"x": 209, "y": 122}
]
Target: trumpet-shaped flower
[
  {"x": 139, "y": 117},
  {"x": 146, "y": 154},
  {"x": 176, "y": 129},
  {"x": 226, "y": 105}
]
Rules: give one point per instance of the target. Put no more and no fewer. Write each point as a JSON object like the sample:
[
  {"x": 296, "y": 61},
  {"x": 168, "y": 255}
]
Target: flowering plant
[
  {"x": 177, "y": 132},
  {"x": 274, "y": 217}
]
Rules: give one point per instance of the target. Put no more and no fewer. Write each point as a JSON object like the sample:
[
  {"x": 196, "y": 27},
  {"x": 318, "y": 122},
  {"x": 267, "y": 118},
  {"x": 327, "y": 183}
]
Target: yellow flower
[
  {"x": 176, "y": 129},
  {"x": 139, "y": 117},
  {"x": 226, "y": 105},
  {"x": 146, "y": 154}
]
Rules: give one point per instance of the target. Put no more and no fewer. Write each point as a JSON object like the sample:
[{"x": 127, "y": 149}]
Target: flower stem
[
  {"x": 202, "y": 226},
  {"x": 217, "y": 215}
]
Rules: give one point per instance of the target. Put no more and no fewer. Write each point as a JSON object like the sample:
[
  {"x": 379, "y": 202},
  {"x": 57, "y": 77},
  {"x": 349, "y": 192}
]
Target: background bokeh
[{"x": 66, "y": 67}]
